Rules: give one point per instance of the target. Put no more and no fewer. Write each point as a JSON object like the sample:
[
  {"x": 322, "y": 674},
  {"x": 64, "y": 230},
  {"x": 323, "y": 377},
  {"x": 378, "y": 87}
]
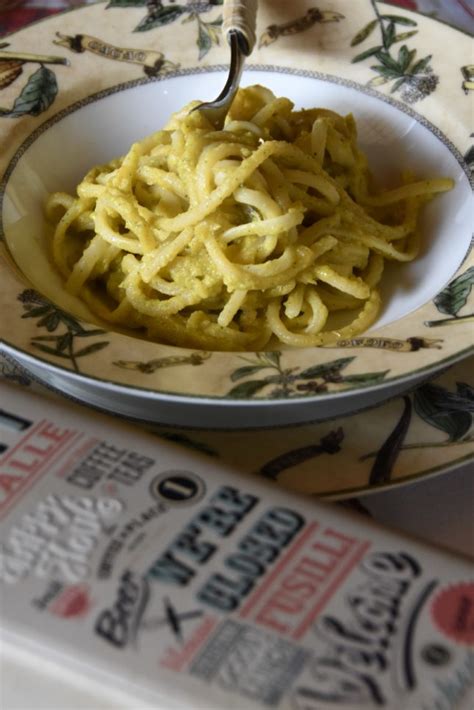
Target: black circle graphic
[
  {"x": 436, "y": 654},
  {"x": 178, "y": 487}
]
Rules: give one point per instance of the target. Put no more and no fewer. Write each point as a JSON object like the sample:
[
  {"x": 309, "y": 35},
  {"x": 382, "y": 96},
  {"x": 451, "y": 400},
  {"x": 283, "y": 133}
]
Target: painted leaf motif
[
  {"x": 245, "y": 371},
  {"x": 385, "y": 72},
  {"x": 405, "y": 57},
  {"x": 398, "y": 84},
  {"x": 46, "y": 338},
  {"x": 326, "y": 368},
  {"x": 404, "y": 35},
  {"x": 204, "y": 41},
  {"x": 368, "y": 53},
  {"x": 388, "y": 453},
  {"x": 452, "y": 298},
  {"x": 38, "y": 94},
  {"x": 367, "y": 378},
  {"x": 467, "y": 393},
  {"x": 399, "y": 20},
  {"x": 247, "y": 389},
  {"x": 50, "y": 323},
  {"x": 93, "y": 348},
  {"x": 421, "y": 65},
  {"x": 127, "y": 3},
  {"x": 364, "y": 33},
  {"x": 389, "y": 35},
  {"x": 64, "y": 342},
  {"x": 273, "y": 357},
  {"x": 388, "y": 61},
  {"x": 49, "y": 351},
  {"x": 87, "y": 333},
  {"x": 165, "y": 16},
  {"x": 36, "y": 312},
  {"x": 444, "y": 410},
  {"x": 378, "y": 81}
]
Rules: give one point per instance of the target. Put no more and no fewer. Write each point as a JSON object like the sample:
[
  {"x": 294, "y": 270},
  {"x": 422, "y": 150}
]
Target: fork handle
[{"x": 241, "y": 16}]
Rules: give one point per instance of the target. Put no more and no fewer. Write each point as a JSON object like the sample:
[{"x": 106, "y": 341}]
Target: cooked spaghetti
[{"x": 226, "y": 239}]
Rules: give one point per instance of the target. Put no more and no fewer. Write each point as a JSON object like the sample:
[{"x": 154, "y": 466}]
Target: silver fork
[{"x": 240, "y": 18}]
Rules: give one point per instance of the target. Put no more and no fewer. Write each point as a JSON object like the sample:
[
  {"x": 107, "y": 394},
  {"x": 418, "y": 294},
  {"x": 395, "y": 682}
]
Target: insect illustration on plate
[
  {"x": 300, "y": 24},
  {"x": 152, "y": 62},
  {"x": 148, "y": 368}
]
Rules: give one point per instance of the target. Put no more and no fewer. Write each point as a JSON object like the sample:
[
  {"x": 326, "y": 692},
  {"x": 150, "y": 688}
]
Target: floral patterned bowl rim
[{"x": 40, "y": 86}]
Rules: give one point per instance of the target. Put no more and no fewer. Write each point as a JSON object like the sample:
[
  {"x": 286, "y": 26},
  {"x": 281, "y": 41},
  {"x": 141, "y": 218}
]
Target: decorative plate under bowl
[{"x": 93, "y": 80}]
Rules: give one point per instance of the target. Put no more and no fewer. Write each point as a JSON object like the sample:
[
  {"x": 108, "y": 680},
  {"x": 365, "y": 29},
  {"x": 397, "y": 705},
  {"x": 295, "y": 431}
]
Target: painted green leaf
[
  {"x": 247, "y": 389},
  {"x": 364, "y": 33},
  {"x": 421, "y": 65},
  {"x": 454, "y": 297},
  {"x": 46, "y": 338},
  {"x": 367, "y": 378},
  {"x": 388, "y": 453},
  {"x": 326, "y": 368},
  {"x": 49, "y": 321},
  {"x": 378, "y": 81},
  {"x": 389, "y": 35},
  {"x": 388, "y": 61},
  {"x": 38, "y": 94},
  {"x": 443, "y": 410},
  {"x": 399, "y": 20},
  {"x": 273, "y": 357},
  {"x": 398, "y": 84},
  {"x": 386, "y": 72},
  {"x": 72, "y": 323},
  {"x": 93, "y": 348},
  {"x": 245, "y": 371},
  {"x": 368, "y": 53},
  {"x": 466, "y": 392},
  {"x": 204, "y": 40},
  {"x": 36, "y": 312},
  {"x": 403, "y": 36},
  {"x": 64, "y": 342},
  {"x": 50, "y": 351},
  {"x": 88, "y": 333},
  {"x": 454, "y": 401},
  {"x": 165, "y": 16},
  {"x": 404, "y": 57},
  {"x": 127, "y": 3}
]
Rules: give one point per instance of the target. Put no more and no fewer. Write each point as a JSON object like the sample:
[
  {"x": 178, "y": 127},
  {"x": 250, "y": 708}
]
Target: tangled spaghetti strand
[{"x": 225, "y": 239}]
